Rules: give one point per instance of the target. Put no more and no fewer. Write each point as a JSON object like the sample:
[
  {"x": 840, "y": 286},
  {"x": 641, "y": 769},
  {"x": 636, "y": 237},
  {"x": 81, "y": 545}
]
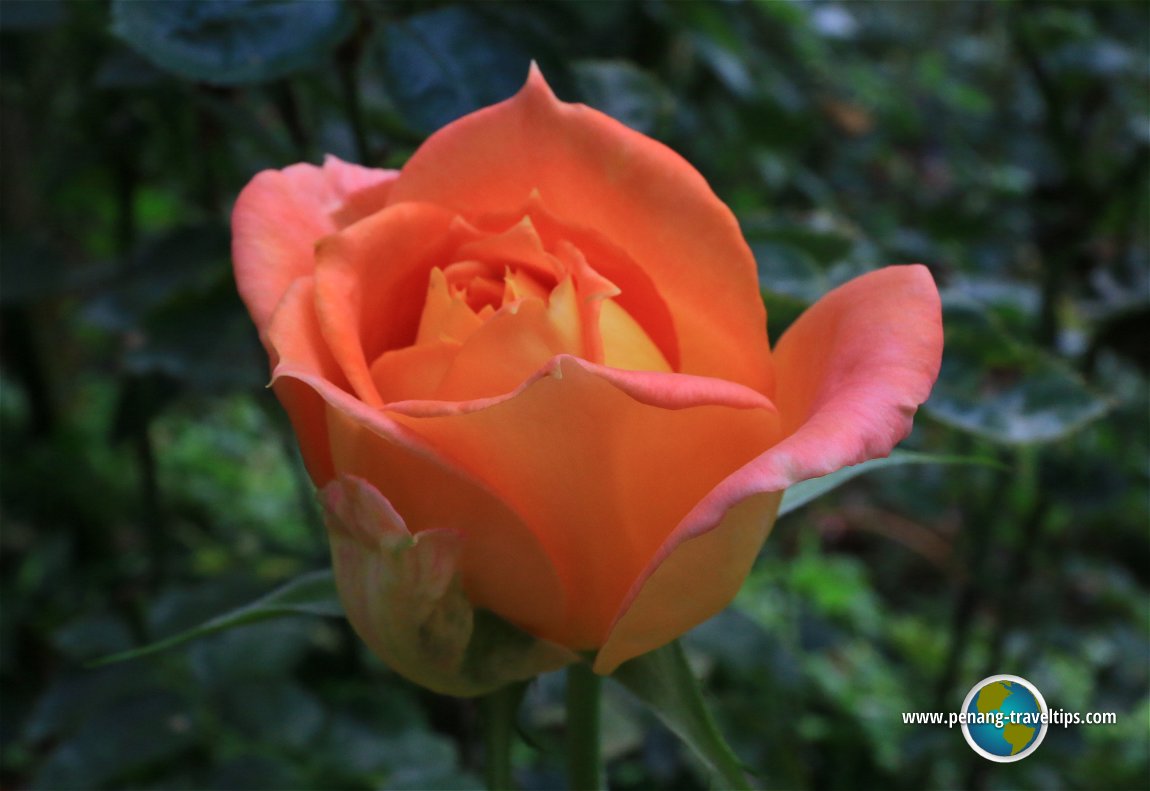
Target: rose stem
[
  {"x": 498, "y": 709},
  {"x": 584, "y": 767}
]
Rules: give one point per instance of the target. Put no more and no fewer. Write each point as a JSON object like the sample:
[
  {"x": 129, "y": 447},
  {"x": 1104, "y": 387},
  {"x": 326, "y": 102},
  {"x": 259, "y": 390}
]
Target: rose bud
[{"x": 530, "y": 374}]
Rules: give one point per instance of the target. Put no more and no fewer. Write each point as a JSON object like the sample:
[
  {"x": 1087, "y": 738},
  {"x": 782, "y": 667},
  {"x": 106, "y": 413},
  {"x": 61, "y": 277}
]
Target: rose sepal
[{"x": 403, "y": 595}]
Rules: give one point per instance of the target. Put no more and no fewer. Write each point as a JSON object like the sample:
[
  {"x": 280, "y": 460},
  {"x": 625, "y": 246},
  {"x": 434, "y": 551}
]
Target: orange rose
[{"x": 531, "y": 373}]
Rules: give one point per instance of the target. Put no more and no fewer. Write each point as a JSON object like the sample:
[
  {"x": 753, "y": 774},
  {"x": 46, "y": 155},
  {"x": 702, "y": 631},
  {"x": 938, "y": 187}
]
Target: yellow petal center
[{"x": 503, "y": 310}]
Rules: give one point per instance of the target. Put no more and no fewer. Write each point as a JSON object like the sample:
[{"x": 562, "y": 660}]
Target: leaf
[
  {"x": 203, "y": 340},
  {"x": 1012, "y": 393},
  {"x": 188, "y": 259},
  {"x": 155, "y": 723},
  {"x": 802, "y": 493},
  {"x": 276, "y": 710},
  {"x": 32, "y": 270},
  {"x": 663, "y": 680},
  {"x": 232, "y": 42},
  {"x": 446, "y": 63},
  {"x": 310, "y": 594}
]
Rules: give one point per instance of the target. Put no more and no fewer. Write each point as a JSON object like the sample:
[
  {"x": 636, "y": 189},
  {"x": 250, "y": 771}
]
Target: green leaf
[
  {"x": 446, "y": 63},
  {"x": 663, "y": 680},
  {"x": 232, "y": 42},
  {"x": 89, "y": 758},
  {"x": 802, "y": 493},
  {"x": 996, "y": 387},
  {"x": 310, "y": 594}
]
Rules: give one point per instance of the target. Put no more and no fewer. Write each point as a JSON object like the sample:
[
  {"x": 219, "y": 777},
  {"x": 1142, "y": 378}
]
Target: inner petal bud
[
  {"x": 518, "y": 284},
  {"x": 477, "y": 283},
  {"x": 502, "y": 311},
  {"x": 446, "y": 315}
]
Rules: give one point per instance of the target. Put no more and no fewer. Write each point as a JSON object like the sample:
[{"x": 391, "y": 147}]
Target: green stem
[
  {"x": 584, "y": 766},
  {"x": 499, "y": 709}
]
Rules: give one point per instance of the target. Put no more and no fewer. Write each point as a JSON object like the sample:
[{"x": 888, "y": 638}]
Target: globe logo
[{"x": 1004, "y": 718}]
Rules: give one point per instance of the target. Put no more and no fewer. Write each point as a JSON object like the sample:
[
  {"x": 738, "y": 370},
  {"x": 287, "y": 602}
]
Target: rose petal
[
  {"x": 281, "y": 214},
  {"x": 638, "y": 193},
  {"x": 371, "y": 279},
  {"x": 857, "y": 365},
  {"x": 295, "y": 342},
  {"x": 414, "y": 372},
  {"x": 654, "y": 388},
  {"x": 505, "y": 567},
  {"x": 711, "y": 566},
  {"x": 851, "y": 371},
  {"x": 445, "y": 317},
  {"x": 518, "y": 246},
  {"x": 601, "y": 477},
  {"x": 625, "y": 345},
  {"x": 510, "y": 347},
  {"x": 614, "y": 275}
]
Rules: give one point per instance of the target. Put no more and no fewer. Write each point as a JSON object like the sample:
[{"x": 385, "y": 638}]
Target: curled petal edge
[
  {"x": 667, "y": 391},
  {"x": 655, "y": 388}
]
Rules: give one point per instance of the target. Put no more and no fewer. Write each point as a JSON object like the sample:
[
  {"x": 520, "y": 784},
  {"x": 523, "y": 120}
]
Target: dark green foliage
[
  {"x": 232, "y": 42},
  {"x": 148, "y": 481},
  {"x": 445, "y": 63}
]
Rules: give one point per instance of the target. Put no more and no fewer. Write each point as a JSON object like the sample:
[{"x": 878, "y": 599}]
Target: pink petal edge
[{"x": 281, "y": 214}]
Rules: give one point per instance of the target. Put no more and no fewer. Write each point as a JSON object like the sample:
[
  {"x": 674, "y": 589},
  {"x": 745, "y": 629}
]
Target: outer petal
[
  {"x": 711, "y": 566},
  {"x": 602, "y": 465},
  {"x": 594, "y": 171},
  {"x": 295, "y": 342},
  {"x": 856, "y": 366},
  {"x": 851, "y": 373},
  {"x": 281, "y": 214},
  {"x": 504, "y": 567}
]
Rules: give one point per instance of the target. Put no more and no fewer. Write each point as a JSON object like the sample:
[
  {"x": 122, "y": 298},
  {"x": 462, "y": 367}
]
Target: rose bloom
[{"x": 531, "y": 375}]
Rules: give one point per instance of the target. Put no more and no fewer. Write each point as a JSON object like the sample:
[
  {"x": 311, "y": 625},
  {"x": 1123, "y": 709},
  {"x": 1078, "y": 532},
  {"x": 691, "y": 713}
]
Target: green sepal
[
  {"x": 313, "y": 593},
  {"x": 404, "y": 596}
]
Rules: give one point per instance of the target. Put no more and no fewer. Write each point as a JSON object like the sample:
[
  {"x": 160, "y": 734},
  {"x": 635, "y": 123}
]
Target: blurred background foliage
[{"x": 149, "y": 481}]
